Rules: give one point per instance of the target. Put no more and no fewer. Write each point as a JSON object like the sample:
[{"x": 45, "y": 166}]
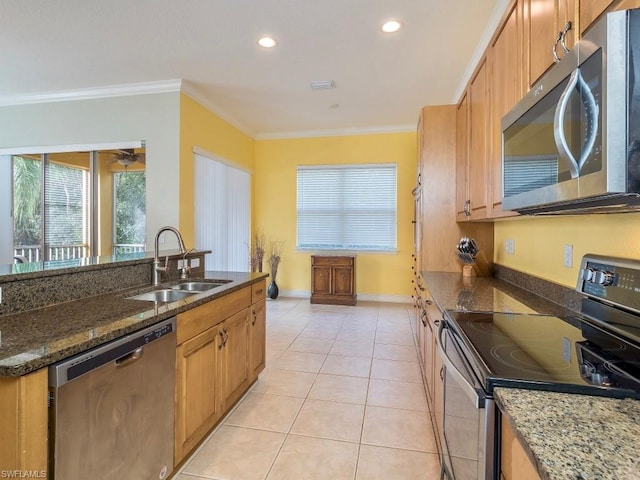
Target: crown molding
[
  {"x": 339, "y": 132},
  {"x": 192, "y": 91},
  {"x": 186, "y": 87},
  {"x": 143, "y": 88}
]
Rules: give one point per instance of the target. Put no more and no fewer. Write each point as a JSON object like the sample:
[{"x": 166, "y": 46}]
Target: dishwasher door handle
[{"x": 129, "y": 358}]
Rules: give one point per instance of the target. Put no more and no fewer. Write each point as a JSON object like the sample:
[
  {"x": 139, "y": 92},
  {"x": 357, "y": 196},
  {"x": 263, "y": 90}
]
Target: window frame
[{"x": 345, "y": 245}]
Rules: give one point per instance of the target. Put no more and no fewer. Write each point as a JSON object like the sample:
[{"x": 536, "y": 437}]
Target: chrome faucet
[{"x": 156, "y": 261}]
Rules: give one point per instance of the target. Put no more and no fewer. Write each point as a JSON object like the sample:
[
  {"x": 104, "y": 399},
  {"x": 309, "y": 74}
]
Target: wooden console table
[{"x": 333, "y": 279}]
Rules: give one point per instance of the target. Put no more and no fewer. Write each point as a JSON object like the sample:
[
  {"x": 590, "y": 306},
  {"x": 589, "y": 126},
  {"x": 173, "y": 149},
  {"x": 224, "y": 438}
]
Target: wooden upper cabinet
[
  {"x": 507, "y": 87},
  {"x": 437, "y": 203},
  {"x": 479, "y": 133},
  {"x": 544, "y": 19},
  {"x": 462, "y": 163},
  {"x": 590, "y": 10}
]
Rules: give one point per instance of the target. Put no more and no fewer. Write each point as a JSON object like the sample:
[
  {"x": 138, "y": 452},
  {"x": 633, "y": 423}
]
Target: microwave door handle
[
  {"x": 592, "y": 111},
  {"x": 450, "y": 368},
  {"x": 558, "y": 130}
]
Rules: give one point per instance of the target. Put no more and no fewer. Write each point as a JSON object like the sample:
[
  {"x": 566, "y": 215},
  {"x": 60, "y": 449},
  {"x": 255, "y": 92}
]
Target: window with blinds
[
  {"x": 347, "y": 207},
  {"x": 66, "y": 207}
]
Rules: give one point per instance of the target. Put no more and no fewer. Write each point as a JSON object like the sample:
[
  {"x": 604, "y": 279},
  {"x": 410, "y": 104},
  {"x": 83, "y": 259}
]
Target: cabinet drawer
[
  {"x": 258, "y": 291},
  {"x": 198, "y": 319},
  {"x": 331, "y": 261}
]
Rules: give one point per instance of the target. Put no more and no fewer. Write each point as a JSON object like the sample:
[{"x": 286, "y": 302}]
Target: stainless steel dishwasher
[{"x": 111, "y": 409}]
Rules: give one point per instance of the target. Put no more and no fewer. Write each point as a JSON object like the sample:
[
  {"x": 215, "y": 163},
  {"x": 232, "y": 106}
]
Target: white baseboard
[{"x": 367, "y": 297}]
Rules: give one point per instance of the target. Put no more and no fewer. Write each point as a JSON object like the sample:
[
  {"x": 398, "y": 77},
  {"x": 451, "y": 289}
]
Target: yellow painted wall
[
  {"x": 275, "y": 204},
  {"x": 540, "y": 241},
  {"x": 199, "y": 127}
]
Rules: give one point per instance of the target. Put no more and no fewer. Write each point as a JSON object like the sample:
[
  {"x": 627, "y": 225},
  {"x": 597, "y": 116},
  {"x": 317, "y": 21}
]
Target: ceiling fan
[{"x": 127, "y": 157}]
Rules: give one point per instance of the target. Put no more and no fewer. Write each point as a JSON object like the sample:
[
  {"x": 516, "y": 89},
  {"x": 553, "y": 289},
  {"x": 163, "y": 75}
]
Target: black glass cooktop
[{"x": 548, "y": 353}]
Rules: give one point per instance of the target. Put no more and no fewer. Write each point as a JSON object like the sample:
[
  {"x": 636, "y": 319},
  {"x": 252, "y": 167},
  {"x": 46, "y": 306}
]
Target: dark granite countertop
[
  {"x": 570, "y": 437},
  {"x": 452, "y": 291},
  {"x": 567, "y": 436},
  {"x": 36, "y": 338}
]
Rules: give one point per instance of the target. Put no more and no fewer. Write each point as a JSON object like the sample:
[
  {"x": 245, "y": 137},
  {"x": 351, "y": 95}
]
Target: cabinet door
[
  {"x": 428, "y": 362},
  {"x": 462, "y": 163},
  {"x": 321, "y": 280},
  {"x": 479, "y": 133},
  {"x": 235, "y": 351},
  {"x": 545, "y": 19},
  {"x": 506, "y": 89},
  {"x": 23, "y": 422},
  {"x": 514, "y": 463},
  {"x": 438, "y": 394},
  {"x": 590, "y": 10},
  {"x": 197, "y": 390},
  {"x": 257, "y": 335},
  {"x": 343, "y": 281}
]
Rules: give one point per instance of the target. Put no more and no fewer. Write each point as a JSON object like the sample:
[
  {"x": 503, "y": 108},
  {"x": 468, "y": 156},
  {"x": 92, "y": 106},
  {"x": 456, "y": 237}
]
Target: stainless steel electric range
[{"x": 594, "y": 353}]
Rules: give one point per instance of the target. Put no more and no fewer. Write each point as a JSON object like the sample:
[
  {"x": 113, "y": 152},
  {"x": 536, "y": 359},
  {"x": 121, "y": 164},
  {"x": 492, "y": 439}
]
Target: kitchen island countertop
[
  {"x": 570, "y": 436},
  {"x": 37, "y": 338}
]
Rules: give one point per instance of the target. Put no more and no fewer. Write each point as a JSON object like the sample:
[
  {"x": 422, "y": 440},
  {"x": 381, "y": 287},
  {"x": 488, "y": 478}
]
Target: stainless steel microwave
[{"x": 572, "y": 144}]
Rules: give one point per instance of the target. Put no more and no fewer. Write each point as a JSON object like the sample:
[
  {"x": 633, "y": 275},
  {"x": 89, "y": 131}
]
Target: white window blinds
[
  {"x": 347, "y": 207},
  {"x": 222, "y": 196}
]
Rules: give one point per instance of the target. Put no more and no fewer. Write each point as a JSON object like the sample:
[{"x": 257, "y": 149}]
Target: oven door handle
[{"x": 450, "y": 368}]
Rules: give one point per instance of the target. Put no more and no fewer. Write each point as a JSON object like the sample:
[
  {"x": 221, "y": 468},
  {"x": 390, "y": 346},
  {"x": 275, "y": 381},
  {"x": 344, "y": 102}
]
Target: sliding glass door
[{"x": 77, "y": 204}]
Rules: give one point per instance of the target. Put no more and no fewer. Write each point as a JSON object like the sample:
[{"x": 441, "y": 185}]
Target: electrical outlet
[
  {"x": 566, "y": 349},
  {"x": 195, "y": 262},
  {"x": 568, "y": 256},
  {"x": 510, "y": 246},
  {"x": 181, "y": 263}
]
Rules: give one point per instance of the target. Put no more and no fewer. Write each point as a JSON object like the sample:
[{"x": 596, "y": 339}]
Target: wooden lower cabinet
[
  {"x": 197, "y": 390},
  {"x": 333, "y": 280},
  {"x": 221, "y": 347},
  {"x": 257, "y": 334},
  {"x": 515, "y": 463},
  {"x": 234, "y": 361},
  {"x": 24, "y": 423}
]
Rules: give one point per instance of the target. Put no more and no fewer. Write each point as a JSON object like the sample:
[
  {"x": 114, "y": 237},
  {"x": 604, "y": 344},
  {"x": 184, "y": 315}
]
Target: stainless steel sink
[
  {"x": 164, "y": 295},
  {"x": 199, "y": 285}
]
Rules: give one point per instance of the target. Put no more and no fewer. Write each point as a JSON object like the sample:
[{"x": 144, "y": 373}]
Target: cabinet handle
[
  {"x": 255, "y": 317},
  {"x": 563, "y": 36},
  {"x": 222, "y": 342},
  {"x": 436, "y": 323},
  {"x": 554, "y": 49},
  {"x": 423, "y": 317},
  {"x": 258, "y": 292},
  {"x": 467, "y": 208},
  {"x": 442, "y": 374}
]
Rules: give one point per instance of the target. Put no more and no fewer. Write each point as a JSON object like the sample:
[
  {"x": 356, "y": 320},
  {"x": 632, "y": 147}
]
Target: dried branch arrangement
[
  {"x": 275, "y": 253},
  {"x": 257, "y": 251}
]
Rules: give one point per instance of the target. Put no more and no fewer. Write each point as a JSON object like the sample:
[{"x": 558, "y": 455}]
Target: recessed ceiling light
[
  {"x": 391, "y": 26},
  {"x": 266, "y": 42}
]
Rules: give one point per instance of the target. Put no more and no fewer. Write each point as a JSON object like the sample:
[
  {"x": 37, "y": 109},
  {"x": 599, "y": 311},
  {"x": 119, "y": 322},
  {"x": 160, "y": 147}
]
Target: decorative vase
[{"x": 272, "y": 290}]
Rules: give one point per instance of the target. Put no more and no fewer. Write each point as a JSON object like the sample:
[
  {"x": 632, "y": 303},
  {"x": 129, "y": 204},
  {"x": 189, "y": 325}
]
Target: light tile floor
[{"x": 341, "y": 398}]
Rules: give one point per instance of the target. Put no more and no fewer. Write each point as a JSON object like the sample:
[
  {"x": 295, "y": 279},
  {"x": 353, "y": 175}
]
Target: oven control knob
[
  {"x": 603, "y": 277},
  {"x": 587, "y": 275}
]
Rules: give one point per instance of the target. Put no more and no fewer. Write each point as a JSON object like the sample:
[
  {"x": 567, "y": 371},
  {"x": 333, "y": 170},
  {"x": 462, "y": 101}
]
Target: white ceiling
[{"x": 55, "y": 47}]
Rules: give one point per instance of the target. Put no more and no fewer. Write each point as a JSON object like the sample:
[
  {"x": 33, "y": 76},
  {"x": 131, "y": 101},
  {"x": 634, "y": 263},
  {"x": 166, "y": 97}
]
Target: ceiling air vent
[{"x": 326, "y": 85}]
